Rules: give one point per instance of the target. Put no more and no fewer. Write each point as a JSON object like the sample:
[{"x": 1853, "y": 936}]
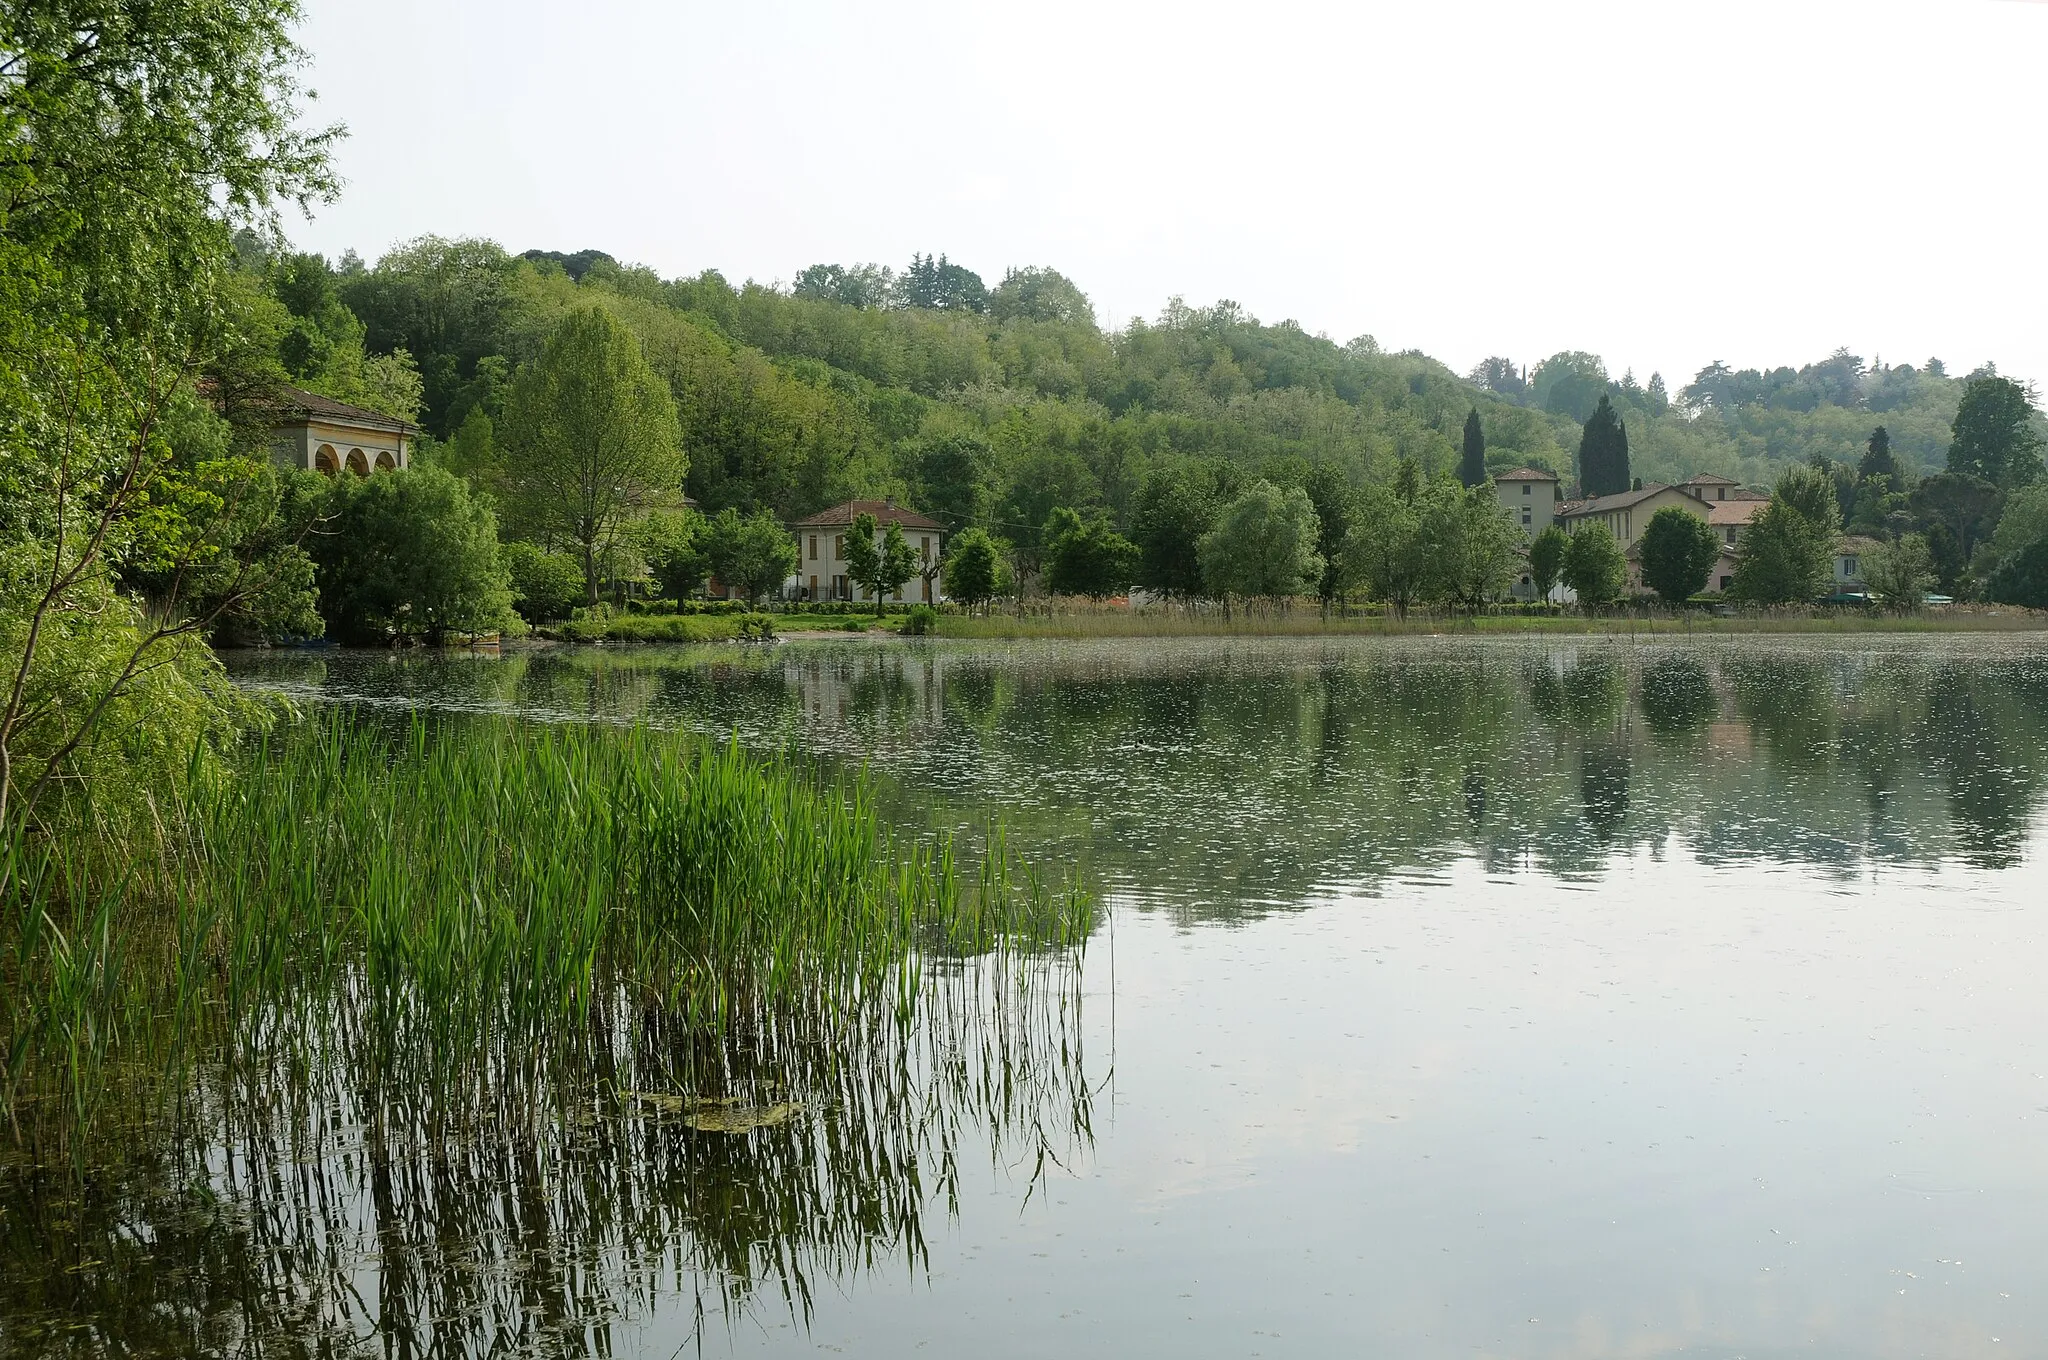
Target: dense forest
[{"x": 992, "y": 405}]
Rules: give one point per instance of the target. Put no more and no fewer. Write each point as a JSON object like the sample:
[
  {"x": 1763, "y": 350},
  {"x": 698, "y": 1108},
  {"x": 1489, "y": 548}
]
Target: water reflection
[
  {"x": 307, "y": 1193},
  {"x": 1224, "y": 777}
]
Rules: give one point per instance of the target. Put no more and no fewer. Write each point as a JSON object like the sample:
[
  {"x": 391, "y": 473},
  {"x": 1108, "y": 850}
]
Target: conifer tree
[
  {"x": 1877, "y": 459},
  {"x": 1603, "y": 453},
  {"x": 1472, "y": 466}
]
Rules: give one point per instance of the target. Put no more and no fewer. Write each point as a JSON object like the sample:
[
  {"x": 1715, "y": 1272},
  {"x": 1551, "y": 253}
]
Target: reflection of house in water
[
  {"x": 1731, "y": 739},
  {"x": 869, "y": 682}
]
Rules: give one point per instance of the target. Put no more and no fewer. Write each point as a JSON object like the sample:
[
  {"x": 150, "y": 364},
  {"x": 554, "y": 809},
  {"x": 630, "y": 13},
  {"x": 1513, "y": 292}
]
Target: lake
[{"x": 1449, "y": 997}]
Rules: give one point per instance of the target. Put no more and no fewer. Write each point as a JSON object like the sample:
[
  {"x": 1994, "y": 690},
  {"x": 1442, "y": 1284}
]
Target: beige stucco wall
[
  {"x": 1627, "y": 524},
  {"x": 299, "y": 446},
  {"x": 1536, "y": 500},
  {"x": 821, "y": 557}
]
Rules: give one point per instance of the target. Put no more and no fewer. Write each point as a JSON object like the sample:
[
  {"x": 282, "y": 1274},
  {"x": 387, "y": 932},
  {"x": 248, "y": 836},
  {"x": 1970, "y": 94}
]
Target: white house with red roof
[{"x": 822, "y": 567}]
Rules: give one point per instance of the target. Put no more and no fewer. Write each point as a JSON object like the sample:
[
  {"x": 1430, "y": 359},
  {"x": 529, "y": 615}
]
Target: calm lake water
[{"x": 1452, "y": 998}]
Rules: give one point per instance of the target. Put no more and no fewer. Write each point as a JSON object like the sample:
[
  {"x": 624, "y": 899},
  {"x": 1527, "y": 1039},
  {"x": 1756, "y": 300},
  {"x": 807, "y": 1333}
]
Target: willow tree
[
  {"x": 134, "y": 140},
  {"x": 594, "y": 439}
]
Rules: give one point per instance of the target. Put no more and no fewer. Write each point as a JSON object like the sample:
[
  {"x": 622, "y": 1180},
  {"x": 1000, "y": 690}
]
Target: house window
[
  {"x": 1849, "y": 565},
  {"x": 1723, "y": 494},
  {"x": 814, "y": 580},
  {"x": 1525, "y": 517},
  {"x": 1525, "y": 488},
  {"x": 839, "y": 546},
  {"x": 1730, "y": 532},
  {"x": 839, "y": 590},
  {"x": 814, "y": 549},
  {"x": 924, "y": 546}
]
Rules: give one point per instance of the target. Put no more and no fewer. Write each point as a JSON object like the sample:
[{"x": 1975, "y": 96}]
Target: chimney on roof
[{"x": 888, "y": 502}]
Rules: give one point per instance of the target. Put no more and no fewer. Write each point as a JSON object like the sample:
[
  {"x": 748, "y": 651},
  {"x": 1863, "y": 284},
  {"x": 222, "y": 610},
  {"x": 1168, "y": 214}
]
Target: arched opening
[
  {"x": 358, "y": 464},
  {"x": 385, "y": 463},
  {"x": 325, "y": 462}
]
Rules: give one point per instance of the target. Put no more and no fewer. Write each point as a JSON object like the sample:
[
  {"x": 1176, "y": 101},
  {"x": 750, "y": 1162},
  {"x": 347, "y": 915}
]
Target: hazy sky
[{"x": 1661, "y": 183}]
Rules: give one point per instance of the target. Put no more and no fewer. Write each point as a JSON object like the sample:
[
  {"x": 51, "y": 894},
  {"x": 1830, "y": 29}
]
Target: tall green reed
[{"x": 473, "y": 890}]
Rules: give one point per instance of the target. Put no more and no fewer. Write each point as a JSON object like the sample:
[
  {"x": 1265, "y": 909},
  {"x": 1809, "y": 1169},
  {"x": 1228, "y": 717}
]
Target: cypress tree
[
  {"x": 1472, "y": 466},
  {"x": 1603, "y": 453},
  {"x": 1877, "y": 459}
]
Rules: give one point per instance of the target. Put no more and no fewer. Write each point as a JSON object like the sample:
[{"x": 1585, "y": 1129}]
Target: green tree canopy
[
  {"x": 594, "y": 439},
  {"x": 2023, "y": 578},
  {"x": 1877, "y": 457},
  {"x": 676, "y": 547},
  {"x": 133, "y": 140},
  {"x": 1087, "y": 556},
  {"x": 1175, "y": 510},
  {"x": 1035, "y": 294},
  {"x": 1472, "y": 460},
  {"x": 1594, "y": 567},
  {"x": 1473, "y": 542},
  {"x": 1900, "y": 574},
  {"x": 1993, "y": 437},
  {"x": 753, "y": 552},
  {"x": 1263, "y": 545},
  {"x": 409, "y": 554},
  {"x": 1386, "y": 551},
  {"x": 1783, "y": 558},
  {"x": 1331, "y": 494},
  {"x": 974, "y": 568},
  {"x": 1679, "y": 550},
  {"x": 1546, "y": 559},
  {"x": 1603, "y": 452},
  {"x": 879, "y": 564},
  {"x": 545, "y": 585}
]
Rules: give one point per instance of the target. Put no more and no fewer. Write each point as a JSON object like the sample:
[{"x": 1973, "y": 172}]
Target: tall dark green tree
[
  {"x": 1877, "y": 457},
  {"x": 1332, "y": 496},
  {"x": 1472, "y": 461},
  {"x": 1173, "y": 513},
  {"x": 1603, "y": 452},
  {"x": 1993, "y": 437}
]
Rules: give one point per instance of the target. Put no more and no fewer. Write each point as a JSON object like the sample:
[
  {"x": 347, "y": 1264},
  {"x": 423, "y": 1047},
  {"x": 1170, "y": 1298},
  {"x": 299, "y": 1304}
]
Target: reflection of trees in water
[
  {"x": 1603, "y": 786},
  {"x": 314, "y": 1196},
  {"x": 1222, "y": 775},
  {"x": 1677, "y": 697}
]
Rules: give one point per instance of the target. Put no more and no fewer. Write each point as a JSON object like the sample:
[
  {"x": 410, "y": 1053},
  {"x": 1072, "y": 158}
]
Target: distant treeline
[{"x": 992, "y": 405}]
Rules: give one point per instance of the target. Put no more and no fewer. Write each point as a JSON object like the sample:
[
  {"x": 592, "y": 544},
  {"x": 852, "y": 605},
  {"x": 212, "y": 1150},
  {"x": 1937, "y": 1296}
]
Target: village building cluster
[{"x": 320, "y": 434}]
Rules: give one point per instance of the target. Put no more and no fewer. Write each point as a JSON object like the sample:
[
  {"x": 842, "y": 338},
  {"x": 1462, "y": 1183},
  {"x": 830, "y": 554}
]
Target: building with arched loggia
[{"x": 320, "y": 434}]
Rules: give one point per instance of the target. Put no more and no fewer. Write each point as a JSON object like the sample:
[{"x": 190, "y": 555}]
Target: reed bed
[
  {"x": 472, "y": 892},
  {"x": 552, "y": 1023}
]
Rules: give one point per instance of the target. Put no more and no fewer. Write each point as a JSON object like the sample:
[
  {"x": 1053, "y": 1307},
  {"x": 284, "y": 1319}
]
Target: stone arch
[
  {"x": 358, "y": 464},
  {"x": 385, "y": 463},
  {"x": 324, "y": 460}
]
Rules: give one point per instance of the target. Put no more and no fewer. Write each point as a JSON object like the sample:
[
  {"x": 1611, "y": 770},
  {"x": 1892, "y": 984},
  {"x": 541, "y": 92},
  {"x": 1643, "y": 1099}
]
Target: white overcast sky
[{"x": 1661, "y": 183}]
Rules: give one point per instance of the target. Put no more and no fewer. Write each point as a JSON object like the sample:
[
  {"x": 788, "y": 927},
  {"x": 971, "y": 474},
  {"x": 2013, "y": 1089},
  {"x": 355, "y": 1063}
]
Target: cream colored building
[
  {"x": 1723, "y": 504},
  {"x": 320, "y": 434},
  {"x": 1529, "y": 495},
  {"x": 1730, "y": 505},
  {"x": 822, "y": 568}
]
